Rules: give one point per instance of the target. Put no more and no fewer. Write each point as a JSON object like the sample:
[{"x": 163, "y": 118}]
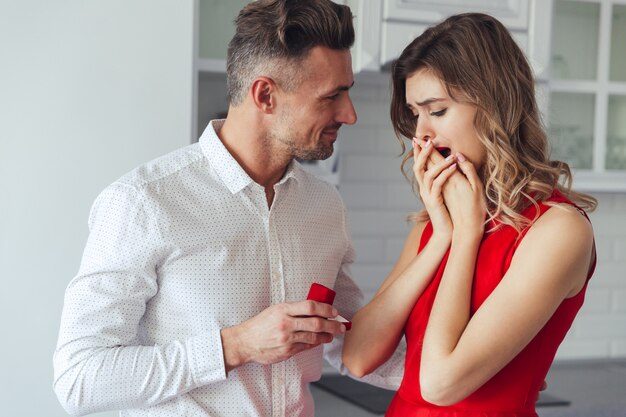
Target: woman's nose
[{"x": 424, "y": 131}]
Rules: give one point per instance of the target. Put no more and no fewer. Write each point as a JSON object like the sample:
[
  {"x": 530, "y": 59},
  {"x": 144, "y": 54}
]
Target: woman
[{"x": 504, "y": 250}]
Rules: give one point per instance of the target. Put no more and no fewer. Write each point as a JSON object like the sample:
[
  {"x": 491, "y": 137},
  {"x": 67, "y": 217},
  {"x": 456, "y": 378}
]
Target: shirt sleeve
[
  {"x": 99, "y": 363},
  {"x": 348, "y": 300}
]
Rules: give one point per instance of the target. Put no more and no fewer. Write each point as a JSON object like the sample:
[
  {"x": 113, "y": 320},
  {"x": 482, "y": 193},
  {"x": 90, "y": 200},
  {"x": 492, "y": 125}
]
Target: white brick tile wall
[
  {"x": 379, "y": 198},
  {"x": 620, "y": 204},
  {"x": 373, "y": 113},
  {"x": 610, "y": 275},
  {"x": 620, "y": 248},
  {"x": 370, "y": 168},
  {"x": 371, "y": 87},
  {"x": 595, "y": 326},
  {"x": 370, "y": 251},
  {"x": 606, "y": 248},
  {"x": 364, "y": 195},
  {"x": 393, "y": 248},
  {"x": 400, "y": 195},
  {"x": 369, "y": 277},
  {"x": 587, "y": 349},
  {"x": 618, "y": 349},
  {"x": 378, "y": 223},
  {"x": 359, "y": 140},
  {"x": 619, "y": 302},
  {"x": 597, "y": 300},
  {"x": 609, "y": 224}
]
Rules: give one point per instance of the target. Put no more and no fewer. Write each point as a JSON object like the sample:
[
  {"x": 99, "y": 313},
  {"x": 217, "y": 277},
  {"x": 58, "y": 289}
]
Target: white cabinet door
[
  {"x": 403, "y": 20},
  {"x": 397, "y": 35},
  {"x": 367, "y": 25},
  {"x": 512, "y": 13},
  {"x": 587, "y": 91}
]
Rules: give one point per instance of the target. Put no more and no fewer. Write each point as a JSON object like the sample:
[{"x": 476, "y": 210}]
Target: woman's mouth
[{"x": 445, "y": 152}]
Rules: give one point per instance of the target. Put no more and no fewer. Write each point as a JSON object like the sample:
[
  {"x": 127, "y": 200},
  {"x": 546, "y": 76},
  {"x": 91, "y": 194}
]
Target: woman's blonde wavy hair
[{"x": 480, "y": 64}]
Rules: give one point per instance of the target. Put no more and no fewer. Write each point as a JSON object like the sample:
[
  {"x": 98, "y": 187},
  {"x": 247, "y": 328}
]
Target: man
[{"x": 190, "y": 299}]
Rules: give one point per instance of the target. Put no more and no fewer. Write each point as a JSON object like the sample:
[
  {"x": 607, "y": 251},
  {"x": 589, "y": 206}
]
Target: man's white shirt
[{"x": 180, "y": 248}]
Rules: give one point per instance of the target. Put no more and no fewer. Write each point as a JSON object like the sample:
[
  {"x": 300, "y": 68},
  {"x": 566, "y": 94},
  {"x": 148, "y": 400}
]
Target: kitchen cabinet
[
  {"x": 385, "y": 27},
  {"x": 587, "y": 91}
]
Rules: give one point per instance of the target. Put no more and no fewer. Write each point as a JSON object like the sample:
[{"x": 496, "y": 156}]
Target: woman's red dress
[{"x": 514, "y": 390}]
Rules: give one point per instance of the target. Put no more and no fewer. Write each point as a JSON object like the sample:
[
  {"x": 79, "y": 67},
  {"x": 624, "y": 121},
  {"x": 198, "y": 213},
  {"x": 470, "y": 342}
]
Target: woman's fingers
[
  {"x": 435, "y": 171},
  {"x": 428, "y": 165},
  {"x": 420, "y": 155},
  {"x": 432, "y": 172},
  {"x": 468, "y": 169},
  {"x": 434, "y": 158},
  {"x": 443, "y": 176}
]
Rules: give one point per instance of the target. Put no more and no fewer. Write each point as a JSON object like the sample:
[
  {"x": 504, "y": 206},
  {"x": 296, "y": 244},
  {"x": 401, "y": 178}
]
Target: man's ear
[{"x": 264, "y": 91}]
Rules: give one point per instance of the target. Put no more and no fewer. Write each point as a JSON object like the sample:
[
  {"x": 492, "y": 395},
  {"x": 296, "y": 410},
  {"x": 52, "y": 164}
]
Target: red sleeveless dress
[{"x": 514, "y": 390}]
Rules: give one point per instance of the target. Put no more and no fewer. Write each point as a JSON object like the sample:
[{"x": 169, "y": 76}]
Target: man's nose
[{"x": 348, "y": 113}]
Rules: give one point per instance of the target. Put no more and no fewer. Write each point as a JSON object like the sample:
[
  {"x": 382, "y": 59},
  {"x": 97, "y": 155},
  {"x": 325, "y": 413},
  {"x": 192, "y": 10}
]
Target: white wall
[
  {"x": 378, "y": 200},
  {"x": 88, "y": 90}
]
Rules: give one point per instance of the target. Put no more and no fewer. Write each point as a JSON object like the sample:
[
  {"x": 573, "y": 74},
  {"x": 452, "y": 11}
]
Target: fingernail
[
  {"x": 415, "y": 142},
  {"x": 460, "y": 157},
  {"x": 335, "y": 312},
  {"x": 343, "y": 328},
  {"x": 428, "y": 143},
  {"x": 451, "y": 167},
  {"x": 449, "y": 157}
]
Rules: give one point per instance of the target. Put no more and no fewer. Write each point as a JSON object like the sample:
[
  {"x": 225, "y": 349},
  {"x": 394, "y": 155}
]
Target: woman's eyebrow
[{"x": 429, "y": 101}]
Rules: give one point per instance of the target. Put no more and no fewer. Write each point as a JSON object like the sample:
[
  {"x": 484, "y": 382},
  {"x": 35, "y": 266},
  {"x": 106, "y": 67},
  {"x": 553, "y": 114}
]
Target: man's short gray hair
[{"x": 273, "y": 37}]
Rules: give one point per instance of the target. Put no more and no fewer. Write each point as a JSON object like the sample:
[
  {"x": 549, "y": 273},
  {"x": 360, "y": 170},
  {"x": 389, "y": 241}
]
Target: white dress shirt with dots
[{"x": 180, "y": 248}]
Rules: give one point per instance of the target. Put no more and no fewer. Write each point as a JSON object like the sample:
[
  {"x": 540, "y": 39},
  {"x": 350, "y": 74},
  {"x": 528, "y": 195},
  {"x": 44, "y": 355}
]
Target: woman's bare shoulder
[
  {"x": 561, "y": 221},
  {"x": 562, "y": 241}
]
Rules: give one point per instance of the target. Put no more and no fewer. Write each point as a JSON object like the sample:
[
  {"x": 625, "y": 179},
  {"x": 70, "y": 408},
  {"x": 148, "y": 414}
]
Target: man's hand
[{"x": 279, "y": 332}]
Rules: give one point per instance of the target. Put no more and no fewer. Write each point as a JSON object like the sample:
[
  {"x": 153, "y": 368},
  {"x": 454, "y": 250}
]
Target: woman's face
[{"x": 447, "y": 123}]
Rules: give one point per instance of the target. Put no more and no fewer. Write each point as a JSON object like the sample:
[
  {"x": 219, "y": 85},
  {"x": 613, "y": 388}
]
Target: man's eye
[
  {"x": 438, "y": 113},
  {"x": 333, "y": 97}
]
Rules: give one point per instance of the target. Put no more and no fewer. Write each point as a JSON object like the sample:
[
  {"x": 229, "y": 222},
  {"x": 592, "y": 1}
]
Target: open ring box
[{"x": 323, "y": 294}]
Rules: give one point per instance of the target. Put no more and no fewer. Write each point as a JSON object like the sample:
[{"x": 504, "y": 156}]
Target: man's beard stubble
[{"x": 321, "y": 150}]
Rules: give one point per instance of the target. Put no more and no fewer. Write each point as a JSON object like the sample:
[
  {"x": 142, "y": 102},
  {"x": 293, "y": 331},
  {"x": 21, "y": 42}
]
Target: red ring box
[{"x": 323, "y": 294}]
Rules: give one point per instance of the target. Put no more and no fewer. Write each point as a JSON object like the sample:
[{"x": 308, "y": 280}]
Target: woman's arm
[
  {"x": 460, "y": 354},
  {"x": 377, "y": 328}
]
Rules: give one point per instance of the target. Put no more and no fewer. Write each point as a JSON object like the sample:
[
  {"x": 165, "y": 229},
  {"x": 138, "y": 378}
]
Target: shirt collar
[{"x": 227, "y": 167}]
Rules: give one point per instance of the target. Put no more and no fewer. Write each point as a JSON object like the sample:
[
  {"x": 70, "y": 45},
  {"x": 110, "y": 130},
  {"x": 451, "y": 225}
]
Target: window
[{"x": 587, "y": 91}]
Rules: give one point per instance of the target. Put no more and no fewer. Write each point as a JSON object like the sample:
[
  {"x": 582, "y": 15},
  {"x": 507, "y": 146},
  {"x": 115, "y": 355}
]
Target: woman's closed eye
[{"x": 438, "y": 113}]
